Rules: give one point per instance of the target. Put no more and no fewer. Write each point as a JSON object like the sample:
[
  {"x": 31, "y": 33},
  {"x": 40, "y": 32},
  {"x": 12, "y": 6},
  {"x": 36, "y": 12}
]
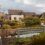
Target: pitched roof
[{"x": 15, "y": 12}]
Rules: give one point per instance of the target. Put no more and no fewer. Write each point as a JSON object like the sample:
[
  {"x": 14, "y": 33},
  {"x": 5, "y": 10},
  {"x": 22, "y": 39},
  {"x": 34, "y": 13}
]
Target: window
[
  {"x": 10, "y": 18},
  {"x": 14, "y": 18}
]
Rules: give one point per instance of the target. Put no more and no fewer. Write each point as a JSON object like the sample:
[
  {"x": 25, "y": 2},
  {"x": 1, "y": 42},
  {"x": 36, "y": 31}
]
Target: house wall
[{"x": 17, "y": 17}]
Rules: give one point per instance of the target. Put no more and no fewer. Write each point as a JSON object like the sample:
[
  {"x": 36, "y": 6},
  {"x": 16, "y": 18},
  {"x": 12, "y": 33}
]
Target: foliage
[
  {"x": 23, "y": 41},
  {"x": 35, "y": 40},
  {"x": 26, "y": 22},
  {"x": 31, "y": 21},
  {"x": 38, "y": 40},
  {"x": 6, "y": 26}
]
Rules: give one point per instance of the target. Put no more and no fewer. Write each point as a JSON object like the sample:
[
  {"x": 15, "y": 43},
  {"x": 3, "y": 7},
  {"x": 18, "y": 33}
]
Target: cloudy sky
[{"x": 37, "y": 6}]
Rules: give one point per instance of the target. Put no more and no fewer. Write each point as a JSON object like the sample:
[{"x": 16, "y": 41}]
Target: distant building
[
  {"x": 17, "y": 17},
  {"x": 30, "y": 15},
  {"x": 20, "y": 14},
  {"x": 7, "y": 16},
  {"x": 42, "y": 19},
  {"x": 14, "y": 14}
]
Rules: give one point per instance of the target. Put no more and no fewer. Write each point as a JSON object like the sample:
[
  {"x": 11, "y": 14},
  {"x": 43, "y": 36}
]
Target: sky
[{"x": 37, "y": 6}]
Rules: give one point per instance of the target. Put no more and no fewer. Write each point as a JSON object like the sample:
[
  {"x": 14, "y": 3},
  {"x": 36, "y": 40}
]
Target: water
[
  {"x": 27, "y": 35},
  {"x": 21, "y": 36},
  {"x": 21, "y": 33}
]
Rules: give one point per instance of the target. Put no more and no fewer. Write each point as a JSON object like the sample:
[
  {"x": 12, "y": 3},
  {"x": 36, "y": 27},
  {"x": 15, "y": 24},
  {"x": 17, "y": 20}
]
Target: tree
[
  {"x": 5, "y": 26},
  {"x": 31, "y": 21}
]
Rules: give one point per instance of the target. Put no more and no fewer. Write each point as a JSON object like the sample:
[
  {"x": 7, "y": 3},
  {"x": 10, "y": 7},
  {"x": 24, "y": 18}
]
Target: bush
[
  {"x": 38, "y": 40},
  {"x": 23, "y": 41},
  {"x": 31, "y": 22},
  {"x": 5, "y": 26},
  {"x": 35, "y": 40}
]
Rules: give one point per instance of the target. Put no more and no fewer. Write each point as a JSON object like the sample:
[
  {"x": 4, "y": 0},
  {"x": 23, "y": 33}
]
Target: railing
[{"x": 30, "y": 30}]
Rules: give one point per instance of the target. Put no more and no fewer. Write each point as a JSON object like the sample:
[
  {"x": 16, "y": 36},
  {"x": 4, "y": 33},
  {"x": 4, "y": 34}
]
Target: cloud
[
  {"x": 40, "y": 5},
  {"x": 18, "y": 1},
  {"x": 36, "y": 3},
  {"x": 28, "y": 2},
  {"x": 28, "y": 5}
]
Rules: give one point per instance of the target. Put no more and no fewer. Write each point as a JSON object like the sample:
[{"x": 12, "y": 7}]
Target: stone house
[
  {"x": 17, "y": 17},
  {"x": 14, "y": 14}
]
